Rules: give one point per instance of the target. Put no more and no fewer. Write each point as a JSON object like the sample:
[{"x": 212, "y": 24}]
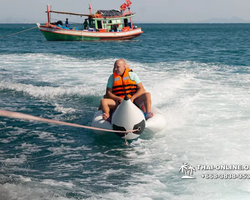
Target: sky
[{"x": 147, "y": 11}]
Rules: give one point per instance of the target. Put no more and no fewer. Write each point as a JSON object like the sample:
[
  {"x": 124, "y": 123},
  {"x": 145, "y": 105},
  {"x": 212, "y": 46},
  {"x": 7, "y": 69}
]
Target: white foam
[
  {"x": 73, "y": 76},
  {"x": 206, "y": 106},
  {"x": 29, "y": 148},
  {"x": 66, "y": 150},
  {"x": 16, "y": 160},
  {"x": 46, "y": 91},
  {"x": 208, "y": 122},
  {"x": 10, "y": 191},
  {"x": 57, "y": 183},
  {"x": 25, "y": 179},
  {"x": 64, "y": 110},
  {"x": 48, "y": 136}
]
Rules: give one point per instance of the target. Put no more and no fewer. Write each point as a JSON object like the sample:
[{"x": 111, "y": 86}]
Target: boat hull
[{"x": 53, "y": 34}]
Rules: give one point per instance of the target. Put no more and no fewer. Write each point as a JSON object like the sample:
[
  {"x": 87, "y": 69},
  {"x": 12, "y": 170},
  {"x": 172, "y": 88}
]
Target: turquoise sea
[{"x": 198, "y": 76}]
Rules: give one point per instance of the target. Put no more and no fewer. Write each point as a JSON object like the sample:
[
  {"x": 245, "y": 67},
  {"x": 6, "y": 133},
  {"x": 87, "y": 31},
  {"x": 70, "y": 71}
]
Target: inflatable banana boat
[{"x": 127, "y": 117}]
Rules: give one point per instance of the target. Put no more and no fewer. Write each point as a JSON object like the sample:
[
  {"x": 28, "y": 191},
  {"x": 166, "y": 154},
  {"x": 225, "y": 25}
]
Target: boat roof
[
  {"x": 104, "y": 13},
  {"x": 110, "y": 13},
  {"x": 70, "y": 13}
]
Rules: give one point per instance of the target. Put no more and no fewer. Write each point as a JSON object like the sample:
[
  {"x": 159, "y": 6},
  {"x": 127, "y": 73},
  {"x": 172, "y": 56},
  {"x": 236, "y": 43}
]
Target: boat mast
[
  {"x": 128, "y": 6},
  {"x": 48, "y": 14},
  {"x": 90, "y": 9}
]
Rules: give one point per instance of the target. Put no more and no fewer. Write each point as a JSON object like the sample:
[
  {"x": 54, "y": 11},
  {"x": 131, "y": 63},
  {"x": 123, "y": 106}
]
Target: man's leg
[
  {"x": 100, "y": 106},
  {"x": 106, "y": 105},
  {"x": 146, "y": 99}
]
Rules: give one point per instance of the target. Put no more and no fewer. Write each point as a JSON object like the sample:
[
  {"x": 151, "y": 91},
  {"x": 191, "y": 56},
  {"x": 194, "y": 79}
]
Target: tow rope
[
  {"x": 18, "y": 32},
  {"x": 5, "y": 113}
]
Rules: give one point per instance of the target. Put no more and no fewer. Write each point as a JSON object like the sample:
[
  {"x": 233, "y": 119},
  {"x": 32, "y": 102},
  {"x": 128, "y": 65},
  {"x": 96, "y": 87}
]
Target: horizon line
[{"x": 145, "y": 22}]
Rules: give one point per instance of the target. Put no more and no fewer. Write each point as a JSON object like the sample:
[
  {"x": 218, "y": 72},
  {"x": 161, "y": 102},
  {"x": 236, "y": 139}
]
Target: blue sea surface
[{"x": 198, "y": 76}]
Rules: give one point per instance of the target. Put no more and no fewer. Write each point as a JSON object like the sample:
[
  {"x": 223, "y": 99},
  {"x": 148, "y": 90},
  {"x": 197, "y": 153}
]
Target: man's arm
[
  {"x": 140, "y": 91},
  {"x": 140, "y": 87},
  {"x": 110, "y": 95}
]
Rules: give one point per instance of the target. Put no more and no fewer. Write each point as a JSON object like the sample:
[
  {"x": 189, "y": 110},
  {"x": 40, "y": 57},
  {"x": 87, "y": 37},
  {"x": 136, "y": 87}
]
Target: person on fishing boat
[
  {"x": 67, "y": 22},
  {"x": 86, "y": 24},
  {"x": 124, "y": 80}
]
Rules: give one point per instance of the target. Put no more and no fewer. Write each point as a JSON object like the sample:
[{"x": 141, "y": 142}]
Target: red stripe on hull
[{"x": 121, "y": 38}]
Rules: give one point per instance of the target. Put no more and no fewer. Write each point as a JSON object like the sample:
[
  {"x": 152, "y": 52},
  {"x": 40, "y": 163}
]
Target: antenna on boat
[
  {"x": 125, "y": 6},
  {"x": 90, "y": 9},
  {"x": 128, "y": 6},
  {"x": 48, "y": 14}
]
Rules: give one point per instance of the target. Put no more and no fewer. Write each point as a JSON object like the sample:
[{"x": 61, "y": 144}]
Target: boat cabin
[{"x": 110, "y": 21}]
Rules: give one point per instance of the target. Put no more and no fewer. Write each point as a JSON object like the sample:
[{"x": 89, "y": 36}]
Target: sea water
[{"x": 198, "y": 76}]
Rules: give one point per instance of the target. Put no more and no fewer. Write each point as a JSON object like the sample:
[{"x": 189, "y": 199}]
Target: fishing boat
[
  {"x": 126, "y": 117},
  {"x": 102, "y": 25}
]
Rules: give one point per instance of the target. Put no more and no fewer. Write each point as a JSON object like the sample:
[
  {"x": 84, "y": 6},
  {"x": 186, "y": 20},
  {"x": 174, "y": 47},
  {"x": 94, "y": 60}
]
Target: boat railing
[{"x": 126, "y": 14}]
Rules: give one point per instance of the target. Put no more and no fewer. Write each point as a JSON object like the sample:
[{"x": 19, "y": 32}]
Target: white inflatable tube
[
  {"x": 98, "y": 122},
  {"x": 156, "y": 123},
  {"x": 128, "y": 116}
]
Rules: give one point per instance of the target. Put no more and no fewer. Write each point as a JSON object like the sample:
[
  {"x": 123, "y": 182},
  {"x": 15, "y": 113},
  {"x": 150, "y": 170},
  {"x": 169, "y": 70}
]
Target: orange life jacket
[{"x": 124, "y": 85}]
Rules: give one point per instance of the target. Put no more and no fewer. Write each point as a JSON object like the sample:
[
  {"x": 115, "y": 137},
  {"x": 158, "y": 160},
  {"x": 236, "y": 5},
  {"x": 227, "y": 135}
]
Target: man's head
[{"x": 119, "y": 67}]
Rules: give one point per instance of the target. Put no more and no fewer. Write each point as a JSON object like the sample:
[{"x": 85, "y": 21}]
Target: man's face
[{"x": 119, "y": 68}]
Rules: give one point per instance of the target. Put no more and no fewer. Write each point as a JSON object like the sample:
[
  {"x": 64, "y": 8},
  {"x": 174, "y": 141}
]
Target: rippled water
[{"x": 198, "y": 76}]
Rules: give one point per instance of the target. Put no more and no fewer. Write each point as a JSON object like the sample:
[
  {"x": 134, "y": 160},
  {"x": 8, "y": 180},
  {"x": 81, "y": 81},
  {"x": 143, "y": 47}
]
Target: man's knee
[
  {"x": 147, "y": 95},
  {"x": 108, "y": 102},
  {"x": 104, "y": 102}
]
